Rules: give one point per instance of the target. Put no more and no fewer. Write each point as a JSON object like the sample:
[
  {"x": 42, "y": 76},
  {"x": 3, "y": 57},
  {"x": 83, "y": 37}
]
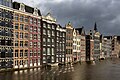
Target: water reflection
[{"x": 99, "y": 70}]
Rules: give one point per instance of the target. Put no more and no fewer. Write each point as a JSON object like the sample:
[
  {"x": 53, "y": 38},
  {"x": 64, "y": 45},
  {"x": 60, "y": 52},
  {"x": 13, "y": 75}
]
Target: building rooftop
[
  {"x": 16, "y": 5},
  {"x": 80, "y": 30},
  {"x": 108, "y": 37}
]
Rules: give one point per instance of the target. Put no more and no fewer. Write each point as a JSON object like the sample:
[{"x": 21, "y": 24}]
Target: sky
[{"x": 106, "y": 13}]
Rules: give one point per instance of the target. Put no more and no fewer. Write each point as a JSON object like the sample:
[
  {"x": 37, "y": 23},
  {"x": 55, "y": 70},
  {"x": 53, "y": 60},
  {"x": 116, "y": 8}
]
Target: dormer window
[
  {"x": 22, "y": 7},
  {"x": 35, "y": 11}
]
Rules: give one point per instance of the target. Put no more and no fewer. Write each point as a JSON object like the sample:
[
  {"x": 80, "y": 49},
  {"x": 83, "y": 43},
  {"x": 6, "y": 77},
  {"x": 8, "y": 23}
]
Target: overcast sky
[{"x": 83, "y": 13}]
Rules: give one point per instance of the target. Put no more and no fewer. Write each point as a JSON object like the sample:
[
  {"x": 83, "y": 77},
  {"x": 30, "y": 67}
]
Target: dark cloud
[{"x": 85, "y": 12}]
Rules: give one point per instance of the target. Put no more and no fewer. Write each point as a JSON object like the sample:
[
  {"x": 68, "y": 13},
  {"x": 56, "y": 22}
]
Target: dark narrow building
[
  {"x": 53, "y": 38},
  {"x": 6, "y": 35},
  {"x": 48, "y": 38},
  {"x": 60, "y": 44},
  {"x": 88, "y": 37}
]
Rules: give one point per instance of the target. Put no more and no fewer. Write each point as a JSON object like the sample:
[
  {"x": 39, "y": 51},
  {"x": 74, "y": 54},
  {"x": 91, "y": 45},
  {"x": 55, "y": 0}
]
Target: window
[
  {"x": 31, "y": 21},
  {"x": 21, "y": 62},
  {"x": 31, "y": 27},
  {"x": 57, "y": 44},
  {"x": 21, "y": 53},
  {"x": 57, "y": 39},
  {"x": 48, "y": 32},
  {"x": 26, "y": 19},
  {"x": 35, "y": 44},
  {"x": 21, "y": 18},
  {"x": 44, "y": 31},
  {"x": 16, "y": 25},
  {"x": 44, "y": 25},
  {"x": 44, "y": 51},
  {"x": 56, "y": 59},
  {"x": 52, "y": 58},
  {"x": 48, "y": 51},
  {"x": 16, "y": 17},
  {"x": 48, "y": 40},
  {"x": 38, "y": 30},
  {"x": 52, "y": 40},
  {"x": 63, "y": 34},
  {"x": 16, "y": 53},
  {"x": 22, "y": 7},
  {"x": 39, "y": 37},
  {"x": 63, "y": 47},
  {"x": 38, "y": 44},
  {"x": 21, "y": 43},
  {"x": 30, "y": 61},
  {"x": 38, "y": 52},
  {"x": 39, "y": 23},
  {"x": 57, "y": 33},
  {"x": 35, "y": 29},
  {"x": 35, "y": 36},
  {"x": 52, "y": 51},
  {"x": 16, "y": 43},
  {"x": 21, "y": 26},
  {"x": 35, "y": 53},
  {"x": 35, "y": 21},
  {"x": 30, "y": 44},
  {"x": 30, "y": 36},
  {"x": 26, "y": 27},
  {"x": 21, "y": 35},
  {"x": 53, "y": 34},
  {"x": 53, "y": 27},
  {"x": 44, "y": 61},
  {"x": 0, "y": 11},
  {"x": 16, "y": 34},
  {"x": 31, "y": 53},
  {"x": 49, "y": 26},
  {"x": 44, "y": 58},
  {"x": 26, "y": 62},
  {"x": 26, "y": 53},
  {"x": 44, "y": 40},
  {"x": 16, "y": 63},
  {"x": 26, "y": 35},
  {"x": 26, "y": 43}
]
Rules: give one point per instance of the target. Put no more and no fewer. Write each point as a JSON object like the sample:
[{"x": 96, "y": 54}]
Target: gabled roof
[
  {"x": 64, "y": 27},
  {"x": 60, "y": 26},
  {"x": 101, "y": 37},
  {"x": 108, "y": 37},
  {"x": 87, "y": 36},
  {"x": 50, "y": 17},
  {"x": 95, "y": 27},
  {"x": 16, "y": 5},
  {"x": 69, "y": 23},
  {"x": 118, "y": 38},
  {"x": 80, "y": 30}
]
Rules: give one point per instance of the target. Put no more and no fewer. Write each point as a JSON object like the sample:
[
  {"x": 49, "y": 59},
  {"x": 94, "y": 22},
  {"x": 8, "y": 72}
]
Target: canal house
[
  {"x": 6, "y": 34},
  {"x": 27, "y": 36}
]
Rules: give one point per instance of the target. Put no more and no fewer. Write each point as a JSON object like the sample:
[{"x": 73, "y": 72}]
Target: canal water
[{"x": 100, "y": 70}]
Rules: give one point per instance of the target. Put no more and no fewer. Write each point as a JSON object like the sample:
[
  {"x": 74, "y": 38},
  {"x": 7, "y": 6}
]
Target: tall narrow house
[
  {"x": 96, "y": 37},
  {"x": 27, "y": 36},
  {"x": 6, "y": 34},
  {"x": 76, "y": 45},
  {"x": 53, "y": 46},
  {"x": 82, "y": 43},
  {"x": 69, "y": 43}
]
